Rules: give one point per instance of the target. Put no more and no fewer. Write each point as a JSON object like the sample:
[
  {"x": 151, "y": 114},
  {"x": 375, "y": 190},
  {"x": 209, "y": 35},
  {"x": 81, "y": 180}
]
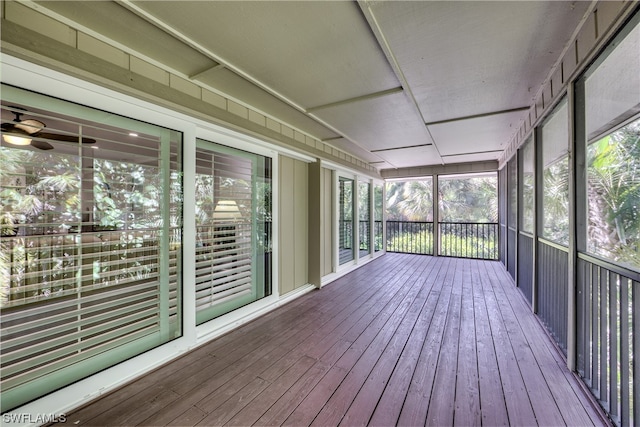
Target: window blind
[
  {"x": 227, "y": 227},
  {"x": 364, "y": 198}
]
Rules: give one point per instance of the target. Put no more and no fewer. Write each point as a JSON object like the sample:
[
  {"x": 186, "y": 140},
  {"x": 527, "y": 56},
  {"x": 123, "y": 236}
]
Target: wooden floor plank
[
  {"x": 388, "y": 410},
  {"x": 366, "y": 399},
  {"x": 362, "y": 333},
  {"x": 441, "y": 404},
  {"x": 576, "y": 410},
  {"x": 415, "y": 407},
  {"x": 403, "y": 340},
  {"x": 467, "y": 404},
  {"x": 492, "y": 399},
  {"x": 517, "y": 401},
  {"x": 540, "y": 397}
]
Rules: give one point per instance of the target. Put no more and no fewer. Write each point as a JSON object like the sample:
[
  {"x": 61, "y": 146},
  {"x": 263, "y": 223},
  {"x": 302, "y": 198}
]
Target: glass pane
[
  {"x": 91, "y": 215},
  {"x": 612, "y": 89},
  {"x": 528, "y": 186},
  {"x": 378, "y": 216},
  {"x": 364, "y": 198},
  {"x": 233, "y": 229},
  {"x": 555, "y": 183},
  {"x": 346, "y": 244},
  {"x": 613, "y": 195}
]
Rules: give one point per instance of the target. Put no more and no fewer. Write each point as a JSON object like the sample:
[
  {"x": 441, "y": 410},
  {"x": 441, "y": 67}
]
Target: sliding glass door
[
  {"x": 364, "y": 214},
  {"x": 346, "y": 246},
  {"x": 233, "y": 229},
  {"x": 90, "y": 242}
]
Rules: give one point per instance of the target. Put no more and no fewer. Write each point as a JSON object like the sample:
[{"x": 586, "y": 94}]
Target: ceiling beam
[
  {"x": 402, "y": 148},
  {"x": 159, "y": 23},
  {"x": 477, "y": 116},
  {"x": 473, "y": 152},
  {"x": 357, "y": 99},
  {"x": 367, "y": 11},
  {"x": 199, "y": 74}
]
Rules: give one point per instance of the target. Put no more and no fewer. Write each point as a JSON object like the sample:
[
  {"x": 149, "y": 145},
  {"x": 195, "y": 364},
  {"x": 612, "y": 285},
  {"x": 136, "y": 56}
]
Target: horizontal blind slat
[
  {"x": 78, "y": 346},
  {"x": 68, "y": 360},
  {"x": 131, "y": 313}
]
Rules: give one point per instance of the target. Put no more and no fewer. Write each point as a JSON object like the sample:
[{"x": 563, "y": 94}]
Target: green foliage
[
  {"x": 613, "y": 186},
  {"x": 451, "y": 244},
  {"x": 555, "y": 203},
  {"x": 473, "y": 199},
  {"x": 413, "y": 243},
  {"x": 410, "y": 200}
]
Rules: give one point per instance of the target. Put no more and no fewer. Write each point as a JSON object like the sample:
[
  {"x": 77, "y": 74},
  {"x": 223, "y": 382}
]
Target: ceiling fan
[{"x": 22, "y": 132}]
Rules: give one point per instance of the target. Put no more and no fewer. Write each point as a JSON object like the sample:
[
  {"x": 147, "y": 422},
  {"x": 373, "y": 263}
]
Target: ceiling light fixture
[
  {"x": 16, "y": 140},
  {"x": 24, "y": 129}
]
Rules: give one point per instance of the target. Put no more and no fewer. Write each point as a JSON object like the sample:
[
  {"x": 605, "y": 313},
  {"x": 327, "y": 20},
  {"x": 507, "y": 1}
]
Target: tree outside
[{"x": 613, "y": 195}]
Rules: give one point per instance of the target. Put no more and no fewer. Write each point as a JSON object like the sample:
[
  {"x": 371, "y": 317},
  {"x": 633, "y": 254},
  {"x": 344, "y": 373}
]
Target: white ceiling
[{"x": 395, "y": 83}]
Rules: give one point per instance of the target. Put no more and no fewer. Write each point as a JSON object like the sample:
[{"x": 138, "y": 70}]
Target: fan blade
[
  {"x": 41, "y": 145},
  {"x": 66, "y": 138}
]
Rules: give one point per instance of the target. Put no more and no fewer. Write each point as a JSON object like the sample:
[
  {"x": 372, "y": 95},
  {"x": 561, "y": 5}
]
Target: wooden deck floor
[{"x": 405, "y": 340}]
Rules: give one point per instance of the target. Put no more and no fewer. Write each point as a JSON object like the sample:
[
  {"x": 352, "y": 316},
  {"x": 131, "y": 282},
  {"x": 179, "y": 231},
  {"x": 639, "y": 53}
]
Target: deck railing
[
  {"x": 457, "y": 239},
  {"x": 412, "y": 237},
  {"x": 608, "y": 320},
  {"x": 469, "y": 239}
]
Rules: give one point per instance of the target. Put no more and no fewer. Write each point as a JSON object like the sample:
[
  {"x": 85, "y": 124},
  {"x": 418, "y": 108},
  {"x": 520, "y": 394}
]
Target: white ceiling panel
[
  {"x": 370, "y": 72},
  {"x": 378, "y": 123},
  {"x": 477, "y": 135},
  {"x": 313, "y": 53},
  {"x": 356, "y": 151},
  {"x": 408, "y": 157},
  {"x": 470, "y": 158},
  {"x": 476, "y": 57}
]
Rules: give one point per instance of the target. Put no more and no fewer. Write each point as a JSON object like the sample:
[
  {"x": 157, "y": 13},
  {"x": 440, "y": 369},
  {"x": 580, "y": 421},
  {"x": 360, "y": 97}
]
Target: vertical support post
[
  {"x": 577, "y": 210},
  {"x": 436, "y": 216},
  {"x": 537, "y": 213},
  {"x": 355, "y": 219},
  {"x": 314, "y": 192},
  {"x": 335, "y": 223},
  {"x": 635, "y": 304},
  {"x": 372, "y": 218},
  {"x": 165, "y": 236},
  {"x": 383, "y": 217}
]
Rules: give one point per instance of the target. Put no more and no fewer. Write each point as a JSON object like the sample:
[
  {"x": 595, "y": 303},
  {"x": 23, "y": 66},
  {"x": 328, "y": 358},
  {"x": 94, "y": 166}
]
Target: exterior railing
[
  {"x": 552, "y": 289},
  {"x": 413, "y": 237},
  {"x": 457, "y": 239},
  {"x": 469, "y": 239},
  {"x": 608, "y": 321}
]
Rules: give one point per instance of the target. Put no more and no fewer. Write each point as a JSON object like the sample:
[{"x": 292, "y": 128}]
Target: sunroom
[{"x": 178, "y": 177}]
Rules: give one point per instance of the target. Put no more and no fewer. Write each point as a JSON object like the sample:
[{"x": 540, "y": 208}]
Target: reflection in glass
[
  {"x": 233, "y": 229},
  {"x": 90, "y": 243}
]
